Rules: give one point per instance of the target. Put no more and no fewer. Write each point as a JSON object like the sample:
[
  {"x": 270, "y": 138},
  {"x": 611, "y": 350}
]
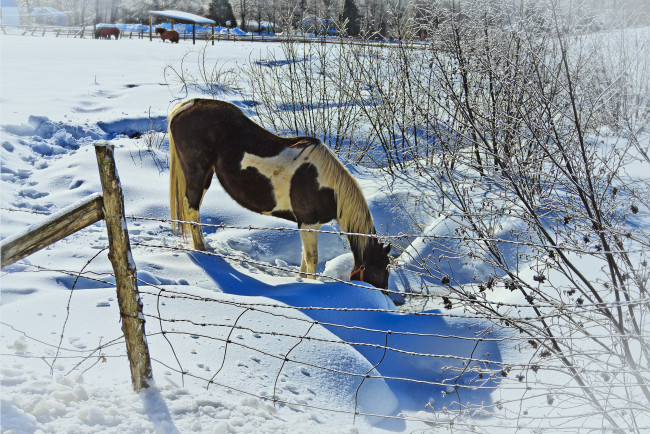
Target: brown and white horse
[
  {"x": 298, "y": 179},
  {"x": 172, "y": 35}
]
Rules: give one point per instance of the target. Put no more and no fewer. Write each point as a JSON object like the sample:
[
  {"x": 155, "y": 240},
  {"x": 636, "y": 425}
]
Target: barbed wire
[
  {"x": 487, "y": 408},
  {"x": 321, "y": 277},
  {"x": 379, "y": 237},
  {"x": 384, "y": 237},
  {"x": 285, "y": 358},
  {"x": 334, "y": 341},
  {"x": 585, "y": 307},
  {"x": 25, "y": 210},
  {"x": 167, "y": 293},
  {"x": 479, "y": 373},
  {"x": 162, "y": 293}
]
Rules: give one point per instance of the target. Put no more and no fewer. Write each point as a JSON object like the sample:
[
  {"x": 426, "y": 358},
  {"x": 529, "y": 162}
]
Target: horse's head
[
  {"x": 374, "y": 267},
  {"x": 160, "y": 30}
]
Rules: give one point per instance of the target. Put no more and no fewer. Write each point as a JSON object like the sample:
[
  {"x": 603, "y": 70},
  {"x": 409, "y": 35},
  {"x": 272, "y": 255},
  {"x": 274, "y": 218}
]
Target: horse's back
[
  {"x": 219, "y": 126},
  {"x": 255, "y": 166},
  {"x": 213, "y": 135}
]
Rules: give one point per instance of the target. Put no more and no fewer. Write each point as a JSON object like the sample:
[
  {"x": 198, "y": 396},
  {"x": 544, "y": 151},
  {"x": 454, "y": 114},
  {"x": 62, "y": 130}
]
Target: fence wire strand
[{"x": 479, "y": 372}]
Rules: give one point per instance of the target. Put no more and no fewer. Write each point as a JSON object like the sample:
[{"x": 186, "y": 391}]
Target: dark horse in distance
[
  {"x": 107, "y": 32},
  {"x": 172, "y": 35},
  {"x": 298, "y": 179}
]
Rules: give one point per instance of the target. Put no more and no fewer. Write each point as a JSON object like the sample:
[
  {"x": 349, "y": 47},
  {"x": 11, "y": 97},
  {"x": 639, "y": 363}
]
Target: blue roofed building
[
  {"x": 49, "y": 16},
  {"x": 9, "y": 13}
]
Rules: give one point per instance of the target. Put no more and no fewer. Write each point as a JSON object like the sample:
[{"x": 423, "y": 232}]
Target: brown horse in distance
[
  {"x": 107, "y": 32},
  {"x": 172, "y": 35},
  {"x": 298, "y": 179}
]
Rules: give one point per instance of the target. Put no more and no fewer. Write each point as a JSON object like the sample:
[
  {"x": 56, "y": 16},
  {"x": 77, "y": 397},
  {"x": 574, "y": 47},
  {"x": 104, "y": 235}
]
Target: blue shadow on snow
[{"x": 453, "y": 343}]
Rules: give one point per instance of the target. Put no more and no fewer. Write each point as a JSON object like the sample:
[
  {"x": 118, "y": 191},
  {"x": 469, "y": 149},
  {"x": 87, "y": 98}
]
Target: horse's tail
[{"x": 176, "y": 186}]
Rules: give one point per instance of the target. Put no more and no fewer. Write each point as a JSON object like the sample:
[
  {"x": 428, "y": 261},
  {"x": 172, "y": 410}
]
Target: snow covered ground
[{"x": 237, "y": 354}]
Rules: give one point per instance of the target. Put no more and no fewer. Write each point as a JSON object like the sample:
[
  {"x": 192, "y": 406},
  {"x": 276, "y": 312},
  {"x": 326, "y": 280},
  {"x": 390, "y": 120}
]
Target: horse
[
  {"x": 107, "y": 32},
  {"x": 172, "y": 35},
  {"x": 294, "y": 178}
]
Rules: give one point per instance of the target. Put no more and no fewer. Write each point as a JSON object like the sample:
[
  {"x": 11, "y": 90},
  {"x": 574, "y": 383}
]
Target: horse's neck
[
  {"x": 352, "y": 209},
  {"x": 358, "y": 246},
  {"x": 355, "y": 218}
]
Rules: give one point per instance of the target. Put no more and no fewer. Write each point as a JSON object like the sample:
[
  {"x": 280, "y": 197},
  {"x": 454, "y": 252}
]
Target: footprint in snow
[
  {"x": 75, "y": 184},
  {"x": 32, "y": 193}
]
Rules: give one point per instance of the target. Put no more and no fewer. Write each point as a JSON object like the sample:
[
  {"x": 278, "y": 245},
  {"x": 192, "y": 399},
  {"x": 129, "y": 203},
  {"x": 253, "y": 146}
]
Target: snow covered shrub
[
  {"x": 529, "y": 125},
  {"x": 528, "y": 129},
  {"x": 154, "y": 132},
  {"x": 300, "y": 93},
  {"x": 203, "y": 74},
  {"x": 543, "y": 177},
  {"x": 364, "y": 99}
]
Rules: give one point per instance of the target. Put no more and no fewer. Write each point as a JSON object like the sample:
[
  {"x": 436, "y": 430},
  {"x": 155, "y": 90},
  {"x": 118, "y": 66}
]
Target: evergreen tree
[
  {"x": 221, "y": 12},
  {"x": 351, "y": 14}
]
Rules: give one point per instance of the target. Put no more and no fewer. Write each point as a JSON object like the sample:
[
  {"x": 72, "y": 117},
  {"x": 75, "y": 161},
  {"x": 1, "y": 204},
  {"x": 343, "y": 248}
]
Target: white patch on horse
[{"x": 279, "y": 169}]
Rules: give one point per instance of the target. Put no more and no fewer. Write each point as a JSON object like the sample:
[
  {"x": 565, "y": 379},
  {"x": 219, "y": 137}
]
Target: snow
[
  {"x": 278, "y": 353},
  {"x": 180, "y": 15}
]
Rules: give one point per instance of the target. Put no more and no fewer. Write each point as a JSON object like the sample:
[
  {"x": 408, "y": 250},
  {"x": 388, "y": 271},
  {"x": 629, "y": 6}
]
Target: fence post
[{"x": 120, "y": 256}]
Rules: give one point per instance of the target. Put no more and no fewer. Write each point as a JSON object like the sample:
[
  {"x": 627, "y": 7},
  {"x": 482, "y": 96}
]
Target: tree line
[{"x": 368, "y": 18}]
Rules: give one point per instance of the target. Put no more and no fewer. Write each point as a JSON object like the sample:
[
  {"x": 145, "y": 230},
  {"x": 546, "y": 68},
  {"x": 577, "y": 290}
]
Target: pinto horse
[
  {"x": 107, "y": 32},
  {"x": 298, "y": 179},
  {"x": 172, "y": 35}
]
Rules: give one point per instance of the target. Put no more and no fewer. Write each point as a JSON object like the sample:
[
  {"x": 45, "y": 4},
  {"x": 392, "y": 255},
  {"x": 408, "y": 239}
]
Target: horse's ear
[{"x": 387, "y": 248}]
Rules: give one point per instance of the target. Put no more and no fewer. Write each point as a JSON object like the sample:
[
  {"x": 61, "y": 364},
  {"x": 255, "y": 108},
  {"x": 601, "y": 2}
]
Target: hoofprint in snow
[{"x": 230, "y": 350}]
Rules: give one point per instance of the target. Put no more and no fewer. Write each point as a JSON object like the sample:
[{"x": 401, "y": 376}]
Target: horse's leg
[
  {"x": 309, "y": 250},
  {"x": 192, "y": 203},
  {"x": 193, "y": 215}
]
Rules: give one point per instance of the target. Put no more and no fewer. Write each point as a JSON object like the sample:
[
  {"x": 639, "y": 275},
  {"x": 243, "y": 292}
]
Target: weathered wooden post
[{"x": 120, "y": 256}]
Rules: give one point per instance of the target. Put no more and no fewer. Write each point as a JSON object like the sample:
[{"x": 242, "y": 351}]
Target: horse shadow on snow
[{"x": 442, "y": 344}]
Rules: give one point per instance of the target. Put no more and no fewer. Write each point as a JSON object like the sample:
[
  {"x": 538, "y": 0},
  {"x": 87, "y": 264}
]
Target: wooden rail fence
[
  {"x": 250, "y": 37},
  {"x": 110, "y": 207}
]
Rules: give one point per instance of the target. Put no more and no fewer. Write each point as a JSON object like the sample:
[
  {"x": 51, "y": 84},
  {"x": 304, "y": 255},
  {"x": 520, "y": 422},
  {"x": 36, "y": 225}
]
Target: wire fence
[
  {"x": 473, "y": 384},
  {"x": 380, "y": 237}
]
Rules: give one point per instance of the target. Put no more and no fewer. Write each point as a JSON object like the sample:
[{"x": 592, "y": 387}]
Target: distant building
[
  {"x": 262, "y": 27},
  {"x": 9, "y": 13},
  {"x": 49, "y": 16},
  {"x": 318, "y": 26}
]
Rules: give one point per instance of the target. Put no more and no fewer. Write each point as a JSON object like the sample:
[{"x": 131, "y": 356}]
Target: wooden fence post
[{"x": 120, "y": 256}]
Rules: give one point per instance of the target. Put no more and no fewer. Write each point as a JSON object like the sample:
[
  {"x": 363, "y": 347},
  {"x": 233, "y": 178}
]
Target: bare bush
[
  {"x": 541, "y": 118},
  {"x": 195, "y": 71},
  {"x": 529, "y": 122},
  {"x": 299, "y": 94},
  {"x": 526, "y": 127}
]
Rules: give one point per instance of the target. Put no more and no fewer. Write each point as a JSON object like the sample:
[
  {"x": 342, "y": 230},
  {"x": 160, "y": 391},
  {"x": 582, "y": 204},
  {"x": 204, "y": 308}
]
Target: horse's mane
[
  {"x": 352, "y": 211},
  {"x": 179, "y": 108}
]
